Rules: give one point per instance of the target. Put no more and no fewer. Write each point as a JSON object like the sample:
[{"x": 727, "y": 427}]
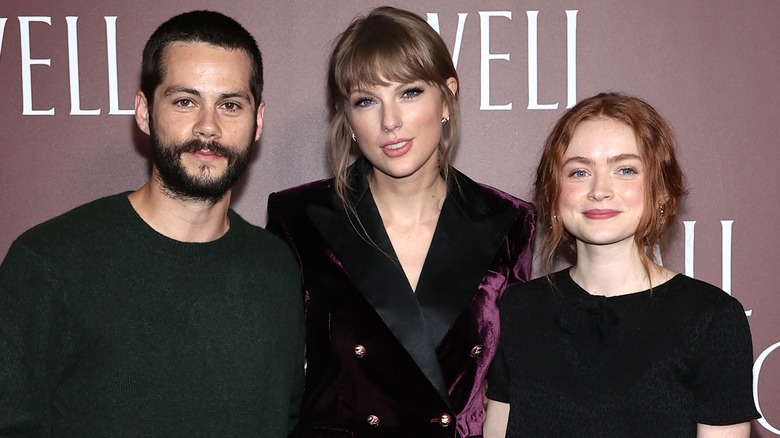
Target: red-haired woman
[{"x": 617, "y": 345}]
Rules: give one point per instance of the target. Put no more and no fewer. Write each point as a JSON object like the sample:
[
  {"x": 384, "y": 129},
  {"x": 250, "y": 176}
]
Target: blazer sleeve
[
  {"x": 282, "y": 220},
  {"x": 520, "y": 245},
  {"x": 276, "y": 222}
]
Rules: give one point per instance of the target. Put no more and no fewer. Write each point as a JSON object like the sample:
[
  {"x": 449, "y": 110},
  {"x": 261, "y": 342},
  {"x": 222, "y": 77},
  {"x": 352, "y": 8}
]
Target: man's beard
[{"x": 203, "y": 186}]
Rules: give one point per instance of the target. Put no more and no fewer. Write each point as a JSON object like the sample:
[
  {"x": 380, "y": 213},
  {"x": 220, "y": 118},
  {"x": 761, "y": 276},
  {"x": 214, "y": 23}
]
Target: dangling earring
[
  {"x": 661, "y": 219},
  {"x": 554, "y": 219},
  {"x": 354, "y": 137},
  {"x": 445, "y": 120}
]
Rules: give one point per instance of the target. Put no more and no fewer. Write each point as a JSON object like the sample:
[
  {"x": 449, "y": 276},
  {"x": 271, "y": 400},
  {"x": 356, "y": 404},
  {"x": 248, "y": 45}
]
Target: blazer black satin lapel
[
  {"x": 465, "y": 243},
  {"x": 381, "y": 280}
]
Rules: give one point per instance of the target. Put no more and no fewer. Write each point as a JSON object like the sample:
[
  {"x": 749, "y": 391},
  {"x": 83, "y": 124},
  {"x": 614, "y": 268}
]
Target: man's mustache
[{"x": 215, "y": 147}]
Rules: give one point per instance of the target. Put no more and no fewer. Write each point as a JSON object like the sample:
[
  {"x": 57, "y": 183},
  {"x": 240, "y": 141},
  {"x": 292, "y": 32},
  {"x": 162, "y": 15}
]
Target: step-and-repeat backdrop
[{"x": 69, "y": 71}]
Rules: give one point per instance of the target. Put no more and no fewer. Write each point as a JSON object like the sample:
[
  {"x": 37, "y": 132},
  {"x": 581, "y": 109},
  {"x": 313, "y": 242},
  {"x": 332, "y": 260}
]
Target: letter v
[
  {"x": 433, "y": 21},
  {"x": 2, "y": 32}
]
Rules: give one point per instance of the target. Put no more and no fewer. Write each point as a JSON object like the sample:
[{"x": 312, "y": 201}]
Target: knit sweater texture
[
  {"x": 110, "y": 329},
  {"x": 646, "y": 364}
]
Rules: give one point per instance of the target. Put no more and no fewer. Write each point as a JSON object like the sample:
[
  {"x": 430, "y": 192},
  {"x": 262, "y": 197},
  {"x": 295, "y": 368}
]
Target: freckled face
[
  {"x": 203, "y": 123},
  {"x": 399, "y": 126},
  {"x": 603, "y": 191}
]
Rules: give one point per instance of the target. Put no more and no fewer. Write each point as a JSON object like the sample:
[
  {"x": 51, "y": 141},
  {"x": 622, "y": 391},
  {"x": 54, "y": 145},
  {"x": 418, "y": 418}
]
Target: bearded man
[{"x": 161, "y": 312}]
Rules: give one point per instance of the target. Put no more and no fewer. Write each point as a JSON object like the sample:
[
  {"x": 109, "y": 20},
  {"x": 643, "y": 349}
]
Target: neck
[
  {"x": 180, "y": 219},
  {"x": 615, "y": 269},
  {"x": 414, "y": 199}
]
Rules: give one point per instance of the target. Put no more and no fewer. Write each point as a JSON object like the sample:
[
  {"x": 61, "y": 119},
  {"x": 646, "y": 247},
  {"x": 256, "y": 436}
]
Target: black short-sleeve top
[{"x": 651, "y": 363}]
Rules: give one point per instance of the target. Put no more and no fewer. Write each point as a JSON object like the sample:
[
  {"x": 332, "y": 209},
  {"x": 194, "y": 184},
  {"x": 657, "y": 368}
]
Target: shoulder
[
  {"x": 260, "y": 241},
  {"x": 494, "y": 196},
  {"x": 315, "y": 191},
  {"x": 478, "y": 198},
  {"x": 88, "y": 218},
  {"x": 697, "y": 308},
  {"x": 533, "y": 290},
  {"x": 262, "y": 261},
  {"x": 697, "y": 294},
  {"x": 288, "y": 210},
  {"x": 501, "y": 198}
]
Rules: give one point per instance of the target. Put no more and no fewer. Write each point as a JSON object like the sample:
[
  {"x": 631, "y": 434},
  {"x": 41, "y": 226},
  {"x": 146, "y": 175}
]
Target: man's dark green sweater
[{"x": 109, "y": 329}]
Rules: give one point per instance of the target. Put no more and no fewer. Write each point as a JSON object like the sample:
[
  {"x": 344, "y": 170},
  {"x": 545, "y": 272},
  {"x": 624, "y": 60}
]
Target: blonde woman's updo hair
[
  {"x": 387, "y": 45},
  {"x": 663, "y": 180}
]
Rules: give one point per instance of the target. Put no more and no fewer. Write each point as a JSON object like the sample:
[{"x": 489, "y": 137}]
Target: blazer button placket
[
  {"x": 444, "y": 420},
  {"x": 372, "y": 420}
]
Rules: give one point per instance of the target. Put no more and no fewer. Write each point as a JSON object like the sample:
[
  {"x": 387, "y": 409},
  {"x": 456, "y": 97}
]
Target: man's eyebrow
[
  {"x": 235, "y": 94},
  {"x": 194, "y": 92},
  {"x": 174, "y": 90}
]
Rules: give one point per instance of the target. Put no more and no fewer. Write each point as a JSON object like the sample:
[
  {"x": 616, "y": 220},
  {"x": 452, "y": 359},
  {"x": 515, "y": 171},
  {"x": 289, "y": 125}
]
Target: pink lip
[
  {"x": 206, "y": 155},
  {"x": 599, "y": 214},
  {"x": 398, "y": 151}
]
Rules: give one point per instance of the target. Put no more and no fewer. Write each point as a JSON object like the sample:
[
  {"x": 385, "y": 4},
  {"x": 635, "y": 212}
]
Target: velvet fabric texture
[{"x": 382, "y": 359}]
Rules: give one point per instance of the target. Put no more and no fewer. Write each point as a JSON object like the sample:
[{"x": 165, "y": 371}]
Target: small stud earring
[
  {"x": 354, "y": 137},
  {"x": 445, "y": 119}
]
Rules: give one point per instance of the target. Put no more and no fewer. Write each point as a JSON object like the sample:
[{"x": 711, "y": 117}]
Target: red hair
[{"x": 664, "y": 181}]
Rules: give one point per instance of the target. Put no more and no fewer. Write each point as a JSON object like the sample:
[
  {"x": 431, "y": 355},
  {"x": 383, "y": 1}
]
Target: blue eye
[
  {"x": 362, "y": 102},
  {"x": 579, "y": 174},
  {"x": 413, "y": 92},
  {"x": 627, "y": 171}
]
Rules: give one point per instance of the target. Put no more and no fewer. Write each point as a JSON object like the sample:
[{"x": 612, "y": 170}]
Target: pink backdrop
[{"x": 710, "y": 67}]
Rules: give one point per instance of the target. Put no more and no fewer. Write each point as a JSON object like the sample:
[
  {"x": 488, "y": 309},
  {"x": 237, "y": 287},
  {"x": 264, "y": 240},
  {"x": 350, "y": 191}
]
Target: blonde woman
[{"x": 403, "y": 257}]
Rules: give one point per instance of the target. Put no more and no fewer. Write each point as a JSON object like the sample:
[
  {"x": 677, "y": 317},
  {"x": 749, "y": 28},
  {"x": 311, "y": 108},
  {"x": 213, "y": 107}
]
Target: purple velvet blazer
[{"x": 383, "y": 360}]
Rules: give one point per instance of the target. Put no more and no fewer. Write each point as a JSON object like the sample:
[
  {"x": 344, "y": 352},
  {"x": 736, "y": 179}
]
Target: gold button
[
  {"x": 445, "y": 420},
  {"x": 372, "y": 420},
  {"x": 476, "y": 351},
  {"x": 359, "y": 350}
]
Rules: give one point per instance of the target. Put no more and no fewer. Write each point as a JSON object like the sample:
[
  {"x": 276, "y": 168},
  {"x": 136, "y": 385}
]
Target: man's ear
[
  {"x": 142, "y": 112},
  {"x": 259, "y": 121}
]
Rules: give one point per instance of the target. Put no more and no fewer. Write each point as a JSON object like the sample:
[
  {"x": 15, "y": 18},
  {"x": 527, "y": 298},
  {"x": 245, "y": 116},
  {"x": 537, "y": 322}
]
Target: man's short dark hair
[{"x": 199, "y": 27}]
